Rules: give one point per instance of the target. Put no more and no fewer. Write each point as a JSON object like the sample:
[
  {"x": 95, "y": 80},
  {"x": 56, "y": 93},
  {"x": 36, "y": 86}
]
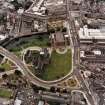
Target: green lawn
[
  {"x": 28, "y": 43},
  {"x": 43, "y": 42},
  {"x": 17, "y": 53},
  {"x": 60, "y": 65},
  {"x": 5, "y": 66},
  {"x": 5, "y": 93}
]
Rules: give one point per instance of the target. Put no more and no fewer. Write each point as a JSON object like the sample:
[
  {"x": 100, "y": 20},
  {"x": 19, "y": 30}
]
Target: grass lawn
[
  {"x": 5, "y": 93},
  {"x": 5, "y": 66},
  {"x": 72, "y": 82},
  {"x": 29, "y": 43},
  {"x": 17, "y": 53},
  {"x": 60, "y": 65}
]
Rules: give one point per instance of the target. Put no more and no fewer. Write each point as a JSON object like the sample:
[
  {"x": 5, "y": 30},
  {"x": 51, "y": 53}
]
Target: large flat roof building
[{"x": 86, "y": 33}]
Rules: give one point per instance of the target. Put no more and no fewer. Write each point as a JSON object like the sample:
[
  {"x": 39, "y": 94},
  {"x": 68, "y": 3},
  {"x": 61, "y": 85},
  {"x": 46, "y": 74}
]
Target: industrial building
[
  {"x": 87, "y": 35},
  {"x": 18, "y": 102}
]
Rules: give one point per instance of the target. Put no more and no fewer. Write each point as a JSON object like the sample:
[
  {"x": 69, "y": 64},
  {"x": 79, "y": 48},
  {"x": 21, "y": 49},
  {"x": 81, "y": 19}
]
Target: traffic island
[{"x": 71, "y": 83}]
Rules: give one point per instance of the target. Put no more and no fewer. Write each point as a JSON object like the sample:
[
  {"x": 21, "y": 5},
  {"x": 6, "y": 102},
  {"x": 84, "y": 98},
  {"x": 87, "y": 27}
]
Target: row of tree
[
  {"x": 21, "y": 3},
  {"x": 64, "y": 29},
  {"x": 17, "y": 72}
]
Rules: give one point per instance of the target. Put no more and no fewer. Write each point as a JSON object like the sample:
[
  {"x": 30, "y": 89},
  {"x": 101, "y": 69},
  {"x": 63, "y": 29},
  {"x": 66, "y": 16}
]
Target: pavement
[{"x": 61, "y": 52}]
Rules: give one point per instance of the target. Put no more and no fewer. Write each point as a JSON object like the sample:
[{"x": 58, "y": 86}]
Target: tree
[
  {"x": 51, "y": 30},
  {"x": 64, "y": 91},
  {"x": 40, "y": 38},
  {"x": 58, "y": 28},
  {"x": 27, "y": 5},
  {"x": 52, "y": 89},
  {"x": 16, "y": 4},
  {"x": 46, "y": 11},
  {"x": 2, "y": 69},
  {"x": 4, "y": 76},
  {"x": 94, "y": 40},
  {"x": 58, "y": 90},
  {"x": 3, "y": 18},
  {"x": 48, "y": 44},
  {"x": 64, "y": 29},
  {"x": 17, "y": 72}
]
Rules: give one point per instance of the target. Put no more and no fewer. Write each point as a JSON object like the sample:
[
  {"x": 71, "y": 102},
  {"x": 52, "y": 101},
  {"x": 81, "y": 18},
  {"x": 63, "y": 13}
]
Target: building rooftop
[
  {"x": 97, "y": 52},
  {"x": 41, "y": 102},
  {"x": 59, "y": 37},
  {"x": 85, "y": 33},
  {"x": 82, "y": 54},
  {"x": 17, "y": 102},
  {"x": 53, "y": 2},
  {"x": 2, "y": 37},
  {"x": 20, "y": 11},
  {"x": 77, "y": 1}
]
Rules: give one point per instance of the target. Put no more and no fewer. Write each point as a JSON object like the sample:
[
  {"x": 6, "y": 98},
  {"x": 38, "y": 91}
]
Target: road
[
  {"x": 85, "y": 87},
  {"x": 75, "y": 40},
  {"x": 28, "y": 74},
  {"x": 47, "y": 84}
]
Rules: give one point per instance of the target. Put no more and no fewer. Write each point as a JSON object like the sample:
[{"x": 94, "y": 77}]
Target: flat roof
[
  {"x": 97, "y": 52},
  {"x": 37, "y": 6},
  {"x": 54, "y": 2},
  {"x": 82, "y": 54},
  {"x": 77, "y": 1},
  {"x": 17, "y": 102},
  {"x": 41, "y": 102},
  {"x": 2, "y": 37},
  {"x": 59, "y": 37},
  {"x": 85, "y": 33}
]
